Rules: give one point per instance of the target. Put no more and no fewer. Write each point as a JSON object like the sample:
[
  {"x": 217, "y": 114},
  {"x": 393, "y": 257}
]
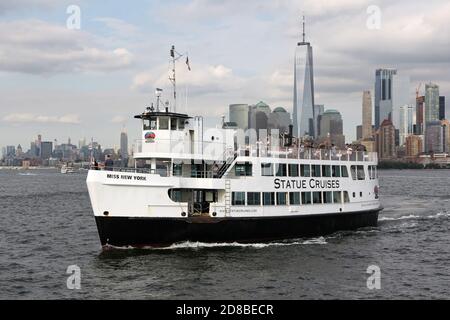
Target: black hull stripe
[{"x": 138, "y": 232}]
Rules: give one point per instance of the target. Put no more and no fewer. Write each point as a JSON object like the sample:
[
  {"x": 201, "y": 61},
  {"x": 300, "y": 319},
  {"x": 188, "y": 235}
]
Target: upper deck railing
[{"x": 216, "y": 150}]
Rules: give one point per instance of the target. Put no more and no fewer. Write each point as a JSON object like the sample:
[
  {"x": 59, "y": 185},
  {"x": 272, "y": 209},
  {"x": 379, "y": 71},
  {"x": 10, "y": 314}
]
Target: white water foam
[
  {"x": 206, "y": 245},
  {"x": 412, "y": 216}
]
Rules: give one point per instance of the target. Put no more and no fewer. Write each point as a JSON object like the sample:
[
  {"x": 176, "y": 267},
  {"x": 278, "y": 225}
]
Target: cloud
[
  {"x": 38, "y": 47},
  {"x": 15, "y": 5},
  {"x": 32, "y": 118},
  {"x": 118, "y": 26},
  {"x": 118, "y": 119},
  {"x": 203, "y": 79}
]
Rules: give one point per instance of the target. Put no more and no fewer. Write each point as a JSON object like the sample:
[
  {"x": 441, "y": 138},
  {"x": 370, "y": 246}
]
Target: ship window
[
  {"x": 353, "y": 172},
  {"x": 293, "y": 170},
  {"x": 238, "y": 198},
  {"x": 305, "y": 170},
  {"x": 266, "y": 169},
  {"x": 315, "y": 170},
  {"x": 177, "y": 169},
  {"x": 281, "y": 170},
  {"x": 327, "y": 197},
  {"x": 281, "y": 198},
  {"x": 253, "y": 198},
  {"x": 294, "y": 198},
  {"x": 373, "y": 172},
  {"x": 306, "y": 197},
  {"x": 354, "y": 194},
  {"x": 180, "y": 124},
  {"x": 360, "y": 172},
  {"x": 317, "y": 197},
  {"x": 173, "y": 123},
  {"x": 163, "y": 123},
  {"x": 346, "y": 197},
  {"x": 175, "y": 195},
  {"x": 336, "y": 171},
  {"x": 268, "y": 198},
  {"x": 326, "y": 171},
  {"x": 150, "y": 124},
  {"x": 337, "y": 198},
  {"x": 344, "y": 171},
  {"x": 360, "y": 194},
  {"x": 243, "y": 169},
  {"x": 209, "y": 196}
]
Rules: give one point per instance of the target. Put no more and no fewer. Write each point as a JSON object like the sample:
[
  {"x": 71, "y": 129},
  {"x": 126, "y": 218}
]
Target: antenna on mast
[
  {"x": 173, "y": 79},
  {"x": 176, "y": 56},
  {"x": 303, "y": 34}
]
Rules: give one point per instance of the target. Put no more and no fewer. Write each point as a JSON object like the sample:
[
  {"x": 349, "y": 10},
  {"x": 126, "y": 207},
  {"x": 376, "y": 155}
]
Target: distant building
[
  {"x": 258, "y": 116},
  {"x": 385, "y": 140},
  {"x": 446, "y": 135},
  {"x": 414, "y": 145},
  {"x": 434, "y": 137},
  {"x": 303, "y": 105},
  {"x": 431, "y": 103},
  {"x": 359, "y": 132},
  {"x": 238, "y": 113},
  {"x": 124, "y": 145},
  {"x": 384, "y": 79},
  {"x": 420, "y": 115},
  {"x": 441, "y": 107},
  {"x": 366, "y": 128},
  {"x": 406, "y": 123},
  {"x": 318, "y": 111},
  {"x": 46, "y": 150},
  {"x": 331, "y": 128},
  {"x": 10, "y": 151},
  {"x": 279, "y": 119}
]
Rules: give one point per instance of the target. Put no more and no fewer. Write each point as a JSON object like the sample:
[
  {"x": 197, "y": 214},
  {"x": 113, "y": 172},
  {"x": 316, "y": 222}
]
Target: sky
[{"x": 65, "y": 80}]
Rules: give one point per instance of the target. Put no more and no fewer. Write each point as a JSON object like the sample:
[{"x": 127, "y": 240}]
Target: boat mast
[{"x": 173, "y": 78}]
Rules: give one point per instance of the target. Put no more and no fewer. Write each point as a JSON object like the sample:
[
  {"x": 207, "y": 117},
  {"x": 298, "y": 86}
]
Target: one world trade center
[{"x": 303, "y": 109}]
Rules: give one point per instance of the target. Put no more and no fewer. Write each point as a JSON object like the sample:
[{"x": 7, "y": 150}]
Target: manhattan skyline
[{"x": 89, "y": 82}]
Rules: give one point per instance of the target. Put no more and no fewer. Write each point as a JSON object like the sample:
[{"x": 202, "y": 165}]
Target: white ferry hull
[{"x": 156, "y": 232}]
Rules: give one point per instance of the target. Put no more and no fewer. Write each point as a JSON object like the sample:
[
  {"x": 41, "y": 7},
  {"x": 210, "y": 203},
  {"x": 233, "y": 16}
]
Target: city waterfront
[{"x": 48, "y": 225}]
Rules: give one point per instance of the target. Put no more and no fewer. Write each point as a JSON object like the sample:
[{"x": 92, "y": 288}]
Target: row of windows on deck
[
  {"x": 306, "y": 170},
  {"x": 285, "y": 198},
  {"x": 164, "y": 123}
]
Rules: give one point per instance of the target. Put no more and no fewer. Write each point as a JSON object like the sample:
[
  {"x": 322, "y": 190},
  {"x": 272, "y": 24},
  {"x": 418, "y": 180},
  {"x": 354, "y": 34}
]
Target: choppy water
[{"x": 47, "y": 225}]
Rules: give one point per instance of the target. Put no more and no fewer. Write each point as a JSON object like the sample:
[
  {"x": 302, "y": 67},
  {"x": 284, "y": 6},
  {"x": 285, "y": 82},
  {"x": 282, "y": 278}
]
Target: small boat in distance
[{"x": 67, "y": 169}]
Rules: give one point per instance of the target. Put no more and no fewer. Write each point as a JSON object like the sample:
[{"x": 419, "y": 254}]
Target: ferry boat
[
  {"x": 199, "y": 184},
  {"x": 67, "y": 169}
]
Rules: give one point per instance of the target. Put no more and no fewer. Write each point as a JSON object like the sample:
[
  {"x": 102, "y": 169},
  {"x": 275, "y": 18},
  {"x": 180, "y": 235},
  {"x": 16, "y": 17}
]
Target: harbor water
[{"x": 47, "y": 225}]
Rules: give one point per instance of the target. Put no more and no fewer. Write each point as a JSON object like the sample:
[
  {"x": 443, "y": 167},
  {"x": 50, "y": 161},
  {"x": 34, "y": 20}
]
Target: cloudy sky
[{"x": 89, "y": 82}]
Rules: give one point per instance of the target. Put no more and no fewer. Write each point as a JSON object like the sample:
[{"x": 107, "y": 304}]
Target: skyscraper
[
  {"x": 331, "y": 127},
  {"x": 46, "y": 149},
  {"x": 406, "y": 123},
  {"x": 441, "y": 107},
  {"x": 414, "y": 145},
  {"x": 431, "y": 103},
  {"x": 385, "y": 140},
  {"x": 303, "y": 106},
  {"x": 367, "y": 115},
  {"x": 420, "y": 102},
  {"x": 434, "y": 137},
  {"x": 383, "y": 95},
  {"x": 124, "y": 145},
  {"x": 239, "y": 115},
  {"x": 318, "y": 111}
]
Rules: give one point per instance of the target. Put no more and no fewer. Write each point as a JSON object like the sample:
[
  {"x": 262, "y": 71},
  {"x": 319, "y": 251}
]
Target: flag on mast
[{"x": 187, "y": 62}]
